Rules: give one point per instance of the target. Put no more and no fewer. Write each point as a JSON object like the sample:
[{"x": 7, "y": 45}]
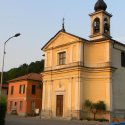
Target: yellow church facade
[{"x": 77, "y": 69}]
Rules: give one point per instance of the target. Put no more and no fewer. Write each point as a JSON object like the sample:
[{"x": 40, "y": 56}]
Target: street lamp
[{"x": 16, "y": 35}]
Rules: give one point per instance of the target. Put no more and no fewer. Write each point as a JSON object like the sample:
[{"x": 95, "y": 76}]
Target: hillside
[{"x": 33, "y": 67}]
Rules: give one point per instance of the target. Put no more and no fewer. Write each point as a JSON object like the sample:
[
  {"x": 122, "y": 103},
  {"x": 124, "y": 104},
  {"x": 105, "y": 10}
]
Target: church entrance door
[{"x": 59, "y": 105}]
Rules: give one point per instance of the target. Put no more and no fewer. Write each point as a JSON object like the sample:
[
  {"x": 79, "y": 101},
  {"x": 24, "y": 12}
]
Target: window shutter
[
  {"x": 123, "y": 59},
  {"x": 23, "y": 88}
]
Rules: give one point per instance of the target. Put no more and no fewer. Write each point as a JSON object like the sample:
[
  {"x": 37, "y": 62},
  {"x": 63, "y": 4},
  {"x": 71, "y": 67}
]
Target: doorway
[{"x": 59, "y": 105}]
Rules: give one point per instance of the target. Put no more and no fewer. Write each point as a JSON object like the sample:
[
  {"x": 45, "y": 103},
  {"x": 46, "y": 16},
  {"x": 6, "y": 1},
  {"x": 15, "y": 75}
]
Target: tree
[
  {"x": 3, "y": 107},
  {"x": 95, "y": 107},
  {"x": 33, "y": 67}
]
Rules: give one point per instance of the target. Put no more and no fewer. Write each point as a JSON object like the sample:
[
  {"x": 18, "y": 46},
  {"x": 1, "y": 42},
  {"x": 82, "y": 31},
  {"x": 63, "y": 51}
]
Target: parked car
[{"x": 117, "y": 123}]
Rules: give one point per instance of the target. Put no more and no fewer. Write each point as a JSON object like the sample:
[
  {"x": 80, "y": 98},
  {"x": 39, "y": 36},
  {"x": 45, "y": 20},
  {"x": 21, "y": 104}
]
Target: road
[{"x": 16, "y": 120}]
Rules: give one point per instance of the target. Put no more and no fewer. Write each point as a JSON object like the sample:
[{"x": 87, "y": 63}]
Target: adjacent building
[
  {"x": 25, "y": 95},
  {"x": 77, "y": 69},
  {"x": 4, "y": 90}
]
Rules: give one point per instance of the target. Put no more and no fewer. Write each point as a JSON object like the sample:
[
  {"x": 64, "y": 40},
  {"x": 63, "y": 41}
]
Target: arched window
[
  {"x": 96, "y": 25},
  {"x": 106, "y": 26}
]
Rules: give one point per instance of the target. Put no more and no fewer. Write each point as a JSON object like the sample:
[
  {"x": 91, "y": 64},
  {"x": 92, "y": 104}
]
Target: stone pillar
[
  {"x": 47, "y": 104},
  {"x": 71, "y": 53},
  {"x": 50, "y": 98},
  {"x": 76, "y": 113},
  {"x": 81, "y": 53},
  {"x": 112, "y": 103},
  {"x": 69, "y": 113},
  {"x": 43, "y": 100}
]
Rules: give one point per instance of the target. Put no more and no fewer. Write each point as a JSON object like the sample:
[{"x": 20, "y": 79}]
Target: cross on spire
[{"x": 63, "y": 25}]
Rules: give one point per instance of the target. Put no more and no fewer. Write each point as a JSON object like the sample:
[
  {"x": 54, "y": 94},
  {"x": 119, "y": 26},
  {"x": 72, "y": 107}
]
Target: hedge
[{"x": 3, "y": 106}]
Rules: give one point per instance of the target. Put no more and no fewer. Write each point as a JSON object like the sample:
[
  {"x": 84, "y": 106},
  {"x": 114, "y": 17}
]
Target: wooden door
[{"x": 59, "y": 105}]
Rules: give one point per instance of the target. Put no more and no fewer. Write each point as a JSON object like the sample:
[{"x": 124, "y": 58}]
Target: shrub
[
  {"x": 3, "y": 106},
  {"x": 102, "y": 120},
  {"x": 94, "y": 107}
]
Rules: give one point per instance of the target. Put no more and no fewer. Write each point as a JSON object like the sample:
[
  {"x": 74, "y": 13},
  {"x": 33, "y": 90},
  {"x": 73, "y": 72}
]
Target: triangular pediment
[{"x": 61, "y": 38}]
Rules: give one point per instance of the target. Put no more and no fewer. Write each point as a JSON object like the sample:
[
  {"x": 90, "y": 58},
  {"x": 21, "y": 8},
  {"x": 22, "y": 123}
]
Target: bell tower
[{"x": 100, "y": 21}]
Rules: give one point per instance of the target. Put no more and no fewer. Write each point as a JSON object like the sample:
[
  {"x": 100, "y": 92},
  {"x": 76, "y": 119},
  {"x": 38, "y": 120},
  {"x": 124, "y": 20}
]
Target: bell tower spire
[{"x": 100, "y": 21}]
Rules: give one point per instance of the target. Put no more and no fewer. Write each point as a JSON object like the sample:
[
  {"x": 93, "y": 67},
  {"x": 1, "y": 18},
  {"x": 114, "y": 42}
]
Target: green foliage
[
  {"x": 40, "y": 85},
  {"x": 33, "y": 67},
  {"x": 102, "y": 120},
  {"x": 3, "y": 100},
  {"x": 3, "y": 105},
  {"x": 100, "y": 106},
  {"x": 88, "y": 104}
]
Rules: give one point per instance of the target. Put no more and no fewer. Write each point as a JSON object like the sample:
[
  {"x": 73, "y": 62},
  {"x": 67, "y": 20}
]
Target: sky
[{"x": 39, "y": 20}]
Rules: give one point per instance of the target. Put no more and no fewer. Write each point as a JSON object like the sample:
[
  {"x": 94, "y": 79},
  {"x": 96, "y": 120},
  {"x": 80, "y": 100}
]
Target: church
[{"x": 77, "y": 69}]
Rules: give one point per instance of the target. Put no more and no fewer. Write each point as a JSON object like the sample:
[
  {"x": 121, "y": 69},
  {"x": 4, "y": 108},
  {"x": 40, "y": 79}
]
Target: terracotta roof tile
[{"x": 31, "y": 76}]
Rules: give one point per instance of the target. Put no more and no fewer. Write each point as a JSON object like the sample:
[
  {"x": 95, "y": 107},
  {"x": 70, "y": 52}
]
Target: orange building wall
[
  {"x": 31, "y": 97},
  {"x": 26, "y": 98}
]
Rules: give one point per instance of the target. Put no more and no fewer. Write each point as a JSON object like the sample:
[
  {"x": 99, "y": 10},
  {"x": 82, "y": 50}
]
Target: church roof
[
  {"x": 100, "y": 5},
  {"x": 97, "y": 40},
  {"x": 65, "y": 33},
  {"x": 103, "y": 39}
]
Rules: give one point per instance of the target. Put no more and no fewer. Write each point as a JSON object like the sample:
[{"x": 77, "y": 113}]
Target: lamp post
[{"x": 16, "y": 35}]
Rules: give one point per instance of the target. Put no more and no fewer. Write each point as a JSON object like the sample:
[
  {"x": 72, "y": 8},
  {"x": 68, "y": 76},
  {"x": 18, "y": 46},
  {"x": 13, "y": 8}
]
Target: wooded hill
[{"x": 33, "y": 67}]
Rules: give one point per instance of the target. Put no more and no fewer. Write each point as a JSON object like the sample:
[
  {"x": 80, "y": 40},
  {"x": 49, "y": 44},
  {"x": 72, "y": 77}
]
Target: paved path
[{"x": 16, "y": 120}]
